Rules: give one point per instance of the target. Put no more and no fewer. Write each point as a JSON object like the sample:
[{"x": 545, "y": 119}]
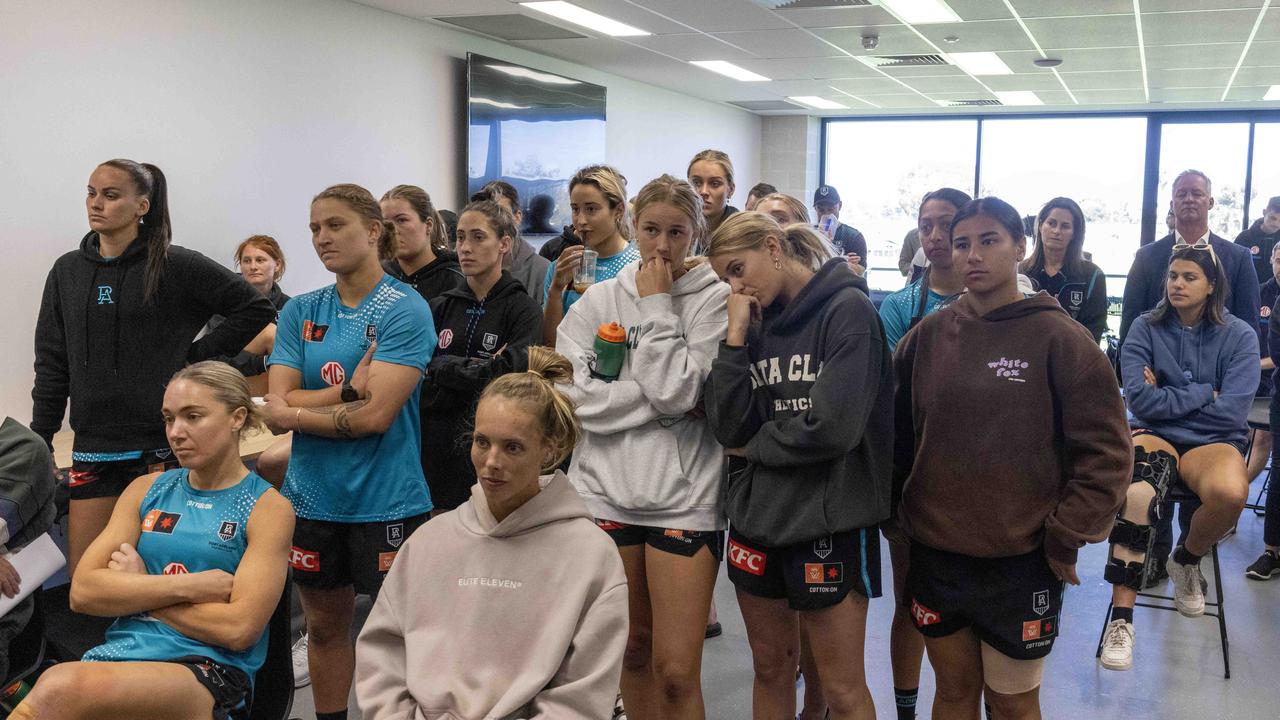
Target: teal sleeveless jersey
[{"x": 185, "y": 530}]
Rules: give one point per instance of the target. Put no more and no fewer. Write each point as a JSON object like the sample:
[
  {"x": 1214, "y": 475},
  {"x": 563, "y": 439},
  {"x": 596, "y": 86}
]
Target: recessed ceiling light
[
  {"x": 1273, "y": 93},
  {"x": 814, "y": 101},
  {"x": 922, "y": 12},
  {"x": 584, "y": 17},
  {"x": 523, "y": 72},
  {"x": 953, "y": 39},
  {"x": 1019, "y": 97},
  {"x": 980, "y": 63},
  {"x": 730, "y": 70}
]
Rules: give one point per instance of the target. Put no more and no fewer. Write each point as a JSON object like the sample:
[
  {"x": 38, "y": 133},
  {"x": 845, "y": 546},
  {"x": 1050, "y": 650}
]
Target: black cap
[{"x": 826, "y": 194}]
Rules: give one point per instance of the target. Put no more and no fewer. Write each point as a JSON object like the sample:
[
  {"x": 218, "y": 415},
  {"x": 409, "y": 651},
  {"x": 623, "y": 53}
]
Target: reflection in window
[
  {"x": 1219, "y": 150},
  {"x": 882, "y": 169}
]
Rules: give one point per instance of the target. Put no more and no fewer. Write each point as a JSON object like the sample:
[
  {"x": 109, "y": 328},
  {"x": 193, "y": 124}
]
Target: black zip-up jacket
[
  {"x": 247, "y": 363},
  {"x": 1083, "y": 295},
  {"x": 810, "y": 398},
  {"x": 98, "y": 343},
  {"x": 1259, "y": 244},
  {"x": 431, "y": 280},
  {"x": 472, "y": 331}
]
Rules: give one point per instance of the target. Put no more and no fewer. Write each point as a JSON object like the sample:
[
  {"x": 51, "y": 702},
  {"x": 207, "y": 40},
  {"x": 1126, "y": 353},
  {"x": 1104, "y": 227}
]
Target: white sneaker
[
  {"x": 1117, "y": 646},
  {"x": 301, "y": 667},
  {"x": 1188, "y": 588}
]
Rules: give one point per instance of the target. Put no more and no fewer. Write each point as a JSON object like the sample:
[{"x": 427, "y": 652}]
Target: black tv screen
[{"x": 533, "y": 129}]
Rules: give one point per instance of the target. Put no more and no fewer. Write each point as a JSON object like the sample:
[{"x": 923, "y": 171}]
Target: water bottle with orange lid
[{"x": 611, "y": 349}]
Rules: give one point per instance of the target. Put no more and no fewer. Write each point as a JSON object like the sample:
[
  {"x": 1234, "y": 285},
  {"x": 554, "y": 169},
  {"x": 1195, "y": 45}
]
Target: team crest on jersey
[
  {"x": 1040, "y": 602},
  {"x": 1077, "y": 298},
  {"x": 446, "y": 338},
  {"x": 333, "y": 373},
  {"x": 312, "y": 332},
  {"x": 822, "y": 547},
  {"x": 227, "y": 530},
  {"x": 490, "y": 341},
  {"x": 395, "y": 534},
  {"x": 371, "y": 333},
  {"x": 160, "y": 521},
  {"x": 1264, "y": 311}
]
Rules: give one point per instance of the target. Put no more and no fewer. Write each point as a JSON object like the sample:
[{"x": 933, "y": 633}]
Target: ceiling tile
[
  {"x": 1085, "y": 32},
  {"x": 1216, "y": 55},
  {"x": 910, "y": 71},
  {"x": 693, "y": 46},
  {"x": 811, "y": 69},
  {"x": 779, "y": 43},
  {"x": 1196, "y": 28},
  {"x": 1175, "y": 5},
  {"x": 1058, "y": 97},
  {"x": 869, "y": 86},
  {"x": 978, "y": 36},
  {"x": 1180, "y": 95},
  {"x": 1214, "y": 77},
  {"x": 619, "y": 10},
  {"x": 1078, "y": 60},
  {"x": 1258, "y": 76},
  {"x": 904, "y": 102},
  {"x": 1109, "y": 97},
  {"x": 1038, "y": 80},
  {"x": 838, "y": 17},
  {"x": 980, "y": 9},
  {"x": 1056, "y": 8},
  {"x": 894, "y": 40},
  {"x": 960, "y": 83},
  {"x": 1251, "y": 93},
  {"x": 1263, "y": 54},
  {"x": 717, "y": 15},
  {"x": 422, "y": 9},
  {"x": 1123, "y": 80}
]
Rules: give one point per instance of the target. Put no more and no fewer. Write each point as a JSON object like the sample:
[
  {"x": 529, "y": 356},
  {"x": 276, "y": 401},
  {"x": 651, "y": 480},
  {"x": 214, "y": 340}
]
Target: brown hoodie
[
  {"x": 1010, "y": 432},
  {"x": 479, "y": 619}
]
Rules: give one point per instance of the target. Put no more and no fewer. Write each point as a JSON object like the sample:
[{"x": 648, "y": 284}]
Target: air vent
[
  {"x": 812, "y": 4},
  {"x": 884, "y": 61},
  {"x": 765, "y": 105},
  {"x": 510, "y": 27},
  {"x": 970, "y": 103}
]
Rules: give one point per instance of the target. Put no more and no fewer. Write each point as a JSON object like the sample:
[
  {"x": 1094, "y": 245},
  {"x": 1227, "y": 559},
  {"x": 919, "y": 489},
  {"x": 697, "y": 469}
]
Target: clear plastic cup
[{"x": 585, "y": 276}]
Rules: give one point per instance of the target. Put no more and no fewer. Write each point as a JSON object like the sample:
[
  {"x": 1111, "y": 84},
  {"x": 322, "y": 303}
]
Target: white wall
[
  {"x": 789, "y": 157},
  {"x": 251, "y": 107}
]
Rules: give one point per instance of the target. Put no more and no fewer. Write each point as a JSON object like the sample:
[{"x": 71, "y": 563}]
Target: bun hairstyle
[
  {"x": 613, "y": 186},
  {"x": 420, "y": 201},
  {"x": 536, "y": 389},
  {"x": 362, "y": 202},
  {"x": 500, "y": 219},
  {"x": 680, "y": 195},
  {"x": 718, "y": 157},
  {"x": 793, "y": 205},
  {"x": 228, "y": 385},
  {"x": 748, "y": 230},
  {"x": 266, "y": 244},
  {"x": 155, "y": 231}
]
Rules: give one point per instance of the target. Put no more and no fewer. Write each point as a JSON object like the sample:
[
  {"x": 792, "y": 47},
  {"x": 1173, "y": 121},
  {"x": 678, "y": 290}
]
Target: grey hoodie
[
  {"x": 810, "y": 397},
  {"x": 643, "y": 458},
  {"x": 487, "y": 620},
  {"x": 528, "y": 267}
]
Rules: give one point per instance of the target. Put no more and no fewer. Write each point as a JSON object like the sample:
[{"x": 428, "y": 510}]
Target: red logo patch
[
  {"x": 304, "y": 560},
  {"x": 160, "y": 522},
  {"x": 81, "y": 477},
  {"x": 385, "y": 559},
  {"x": 923, "y": 615},
  {"x": 332, "y": 372},
  {"x": 1030, "y": 630},
  {"x": 312, "y": 332},
  {"x": 609, "y": 525},
  {"x": 746, "y": 559},
  {"x": 446, "y": 337},
  {"x": 175, "y": 568},
  {"x": 823, "y": 573}
]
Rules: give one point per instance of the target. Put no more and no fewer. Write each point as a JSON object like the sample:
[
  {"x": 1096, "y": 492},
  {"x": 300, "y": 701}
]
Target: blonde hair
[
  {"x": 613, "y": 186},
  {"x": 680, "y": 195},
  {"x": 716, "y": 156},
  {"x": 793, "y": 205},
  {"x": 536, "y": 389},
  {"x": 420, "y": 201},
  {"x": 266, "y": 244},
  {"x": 362, "y": 202},
  {"x": 228, "y": 385},
  {"x": 748, "y": 230}
]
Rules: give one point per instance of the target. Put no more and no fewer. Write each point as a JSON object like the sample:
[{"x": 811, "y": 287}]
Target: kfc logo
[
  {"x": 304, "y": 560},
  {"x": 923, "y": 615},
  {"x": 746, "y": 559}
]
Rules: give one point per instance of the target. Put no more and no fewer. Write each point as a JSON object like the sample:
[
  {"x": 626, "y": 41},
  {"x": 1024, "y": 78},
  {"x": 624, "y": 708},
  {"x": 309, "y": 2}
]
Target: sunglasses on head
[{"x": 1197, "y": 245}]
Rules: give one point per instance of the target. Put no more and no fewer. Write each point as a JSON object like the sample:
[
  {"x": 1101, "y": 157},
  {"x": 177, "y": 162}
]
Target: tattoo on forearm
[{"x": 342, "y": 413}]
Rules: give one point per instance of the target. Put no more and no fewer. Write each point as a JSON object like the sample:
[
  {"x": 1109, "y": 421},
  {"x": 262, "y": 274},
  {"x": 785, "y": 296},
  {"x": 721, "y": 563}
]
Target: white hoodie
[
  {"x": 642, "y": 460},
  {"x": 485, "y": 620}
]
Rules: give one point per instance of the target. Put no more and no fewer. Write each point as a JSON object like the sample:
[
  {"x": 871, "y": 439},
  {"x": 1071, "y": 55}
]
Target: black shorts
[
  {"x": 335, "y": 554},
  {"x": 100, "y": 479},
  {"x": 811, "y": 575},
  {"x": 685, "y": 543},
  {"x": 1013, "y": 604},
  {"x": 1184, "y": 448},
  {"x": 230, "y": 687}
]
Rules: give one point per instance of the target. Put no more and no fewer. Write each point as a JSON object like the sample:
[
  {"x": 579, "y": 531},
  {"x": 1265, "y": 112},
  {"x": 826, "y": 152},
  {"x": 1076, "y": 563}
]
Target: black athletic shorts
[
  {"x": 109, "y": 478},
  {"x": 1013, "y": 604},
  {"x": 685, "y": 543},
  {"x": 1184, "y": 448},
  {"x": 230, "y": 687},
  {"x": 811, "y": 575},
  {"x": 334, "y": 554}
]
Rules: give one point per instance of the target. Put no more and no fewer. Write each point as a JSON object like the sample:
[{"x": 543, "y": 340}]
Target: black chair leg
[{"x": 1222, "y": 615}]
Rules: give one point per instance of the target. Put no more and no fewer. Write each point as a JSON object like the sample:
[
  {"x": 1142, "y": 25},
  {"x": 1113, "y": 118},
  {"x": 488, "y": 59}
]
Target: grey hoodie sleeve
[
  {"x": 672, "y": 361},
  {"x": 840, "y": 400},
  {"x": 586, "y": 684},
  {"x": 381, "y": 675},
  {"x": 26, "y": 485}
]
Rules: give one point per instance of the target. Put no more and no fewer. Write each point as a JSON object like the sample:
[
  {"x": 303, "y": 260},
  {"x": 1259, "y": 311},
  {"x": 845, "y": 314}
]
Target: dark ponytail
[{"x": 154, "y": 230}]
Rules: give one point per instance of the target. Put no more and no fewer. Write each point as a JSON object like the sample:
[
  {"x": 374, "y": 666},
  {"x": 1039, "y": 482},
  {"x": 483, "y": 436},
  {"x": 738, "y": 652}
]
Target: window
[
  {"x": 1219, "y": 150},
  {"x": 882, "y": 169},
  {"x": 1266, "y": 168}
]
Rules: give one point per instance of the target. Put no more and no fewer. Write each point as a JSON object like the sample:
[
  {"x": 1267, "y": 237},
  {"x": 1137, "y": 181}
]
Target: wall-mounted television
[{"x": 533, "y": 129}]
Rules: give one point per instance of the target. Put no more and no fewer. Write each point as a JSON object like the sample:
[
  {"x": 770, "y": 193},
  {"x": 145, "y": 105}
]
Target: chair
[
  {"x": 1259, "y": 419},
  {"x": 273, "y": 685},
  {"x": 27, "y": 650},
  {"x": 1179, "y": 493}
]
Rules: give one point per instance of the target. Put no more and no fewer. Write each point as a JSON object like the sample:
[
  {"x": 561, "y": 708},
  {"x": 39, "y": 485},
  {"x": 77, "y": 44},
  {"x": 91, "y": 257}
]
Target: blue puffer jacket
[{"x": 1189, "y": 365}]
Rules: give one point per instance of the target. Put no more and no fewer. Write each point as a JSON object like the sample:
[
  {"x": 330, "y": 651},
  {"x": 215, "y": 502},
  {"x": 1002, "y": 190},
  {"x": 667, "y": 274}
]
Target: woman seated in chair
[
  {"x": 194, "y": 560},
  {"x": 1190, "y": 369}
]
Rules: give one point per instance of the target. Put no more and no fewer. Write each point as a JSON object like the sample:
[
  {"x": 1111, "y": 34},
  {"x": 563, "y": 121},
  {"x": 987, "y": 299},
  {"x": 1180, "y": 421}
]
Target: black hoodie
[
  {"x": 1259, "y": 244},
  {"x": 472, "y": 331},
  {"x": 247, "y": 363},
  {"x": 100, "y": 344},
  {"x": 431, "y": 280},
  {"x": 810, "y": 397}
]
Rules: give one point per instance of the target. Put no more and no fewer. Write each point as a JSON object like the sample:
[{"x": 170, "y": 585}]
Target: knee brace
[{"x": 1132, "y": 536}]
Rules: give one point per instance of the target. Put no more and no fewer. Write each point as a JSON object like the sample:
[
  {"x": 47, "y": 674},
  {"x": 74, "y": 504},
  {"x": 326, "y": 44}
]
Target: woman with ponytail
[
  {"x": 484, "y": 614},
  {"x": 800, "y": 395},
  {"x": 345, "y": 377},
  {"x": 119, "y": 316},
  {"x": 418, "y": 252}
]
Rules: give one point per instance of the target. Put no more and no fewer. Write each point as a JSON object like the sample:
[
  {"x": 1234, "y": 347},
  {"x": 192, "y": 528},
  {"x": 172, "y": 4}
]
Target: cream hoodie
[
  {"x": 513, "y": 620},
  {"x": 643, "y": 459}
]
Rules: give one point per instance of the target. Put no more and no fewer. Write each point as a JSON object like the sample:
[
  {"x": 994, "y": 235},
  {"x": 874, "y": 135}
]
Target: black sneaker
[
  {"x": 1264, "y": 567},
  {"x": 1157, "y": 576}
]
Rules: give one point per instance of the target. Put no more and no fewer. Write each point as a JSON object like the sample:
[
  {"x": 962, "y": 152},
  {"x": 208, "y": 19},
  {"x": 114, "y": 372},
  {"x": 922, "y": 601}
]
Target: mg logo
[
  {"x": 332, "y": 373},
  {"x": 175, "y": 568}
]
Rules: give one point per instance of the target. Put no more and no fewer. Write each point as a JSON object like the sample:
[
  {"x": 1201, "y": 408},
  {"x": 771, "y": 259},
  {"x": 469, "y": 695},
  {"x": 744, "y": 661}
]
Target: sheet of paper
[{"x": 35, "y": 563}]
